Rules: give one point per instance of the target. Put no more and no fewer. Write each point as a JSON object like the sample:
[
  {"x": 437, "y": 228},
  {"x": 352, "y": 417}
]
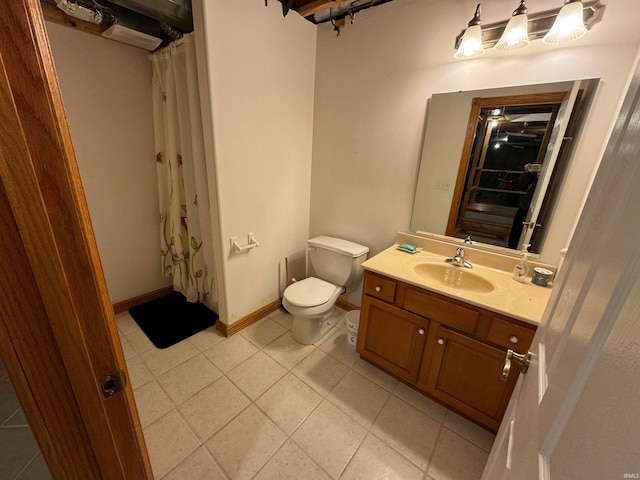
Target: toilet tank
[{"x": 336, "y": 260}]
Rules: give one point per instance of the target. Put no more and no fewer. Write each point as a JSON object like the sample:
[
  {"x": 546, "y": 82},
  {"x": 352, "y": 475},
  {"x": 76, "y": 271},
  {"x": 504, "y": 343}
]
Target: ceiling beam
[
  {"x": 309, "y": 7},
  {"x": 54, "y": 15}
]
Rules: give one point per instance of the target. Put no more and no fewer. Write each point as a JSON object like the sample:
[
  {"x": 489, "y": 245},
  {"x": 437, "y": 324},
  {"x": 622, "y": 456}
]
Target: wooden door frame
[{"x": 58, "y": 334}]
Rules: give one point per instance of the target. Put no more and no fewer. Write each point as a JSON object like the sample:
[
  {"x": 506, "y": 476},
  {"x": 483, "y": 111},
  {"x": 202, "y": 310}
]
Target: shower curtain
[{"x": 185, "y": 223}]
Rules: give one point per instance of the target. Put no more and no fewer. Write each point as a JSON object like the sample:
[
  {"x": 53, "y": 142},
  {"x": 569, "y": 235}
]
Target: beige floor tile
[
  {"x": 188, "y": 378},
  {"x": 263, "y": 332},
  {"x": 139, "y": 374},
  {"x": 421, "y": 402},
  {"x": 321, "y": 371},
  {"x": 256, "y": 375},
  {"x": 206, "y": 338},
  {"x": 160, "y": 361},
  {"x": 126, "y": 323},
  {"x": 375, "y": 460},
  {"x": 231, "y": 352},
  {"x": 139, "y": 341},
  {"x": 197, "y": 466},
  {"x": 472, "y": 432},
  {"x": 169, "y": 441},
  {"x": 376, "y": 375},
  {"x": 289, "y": 402},
  {"x": 456, "y": 458},
  {"x": 211, "y": 408},
  {"x": 245, "y": 444},
  {"x": 152, "y": 403},
  {"x": 127, "y": 349},
  {"x": 408, "y": 430},
  {"x": 286, "y": 351},
  {"x": 338, "y": 347},
  {"x": 360, "y": 398},
  {"x": 18, "y": 419},
  {"x": 291, "y": 463},
  {"x": 283, "y": 317},
  {"x": 330, "y": 437}
]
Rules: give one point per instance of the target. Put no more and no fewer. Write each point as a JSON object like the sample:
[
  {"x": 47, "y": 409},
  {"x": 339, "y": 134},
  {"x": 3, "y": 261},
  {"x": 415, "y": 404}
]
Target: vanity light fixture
[
  {"x": 471, "y": 43},
  {"x": 516, "y": 34},
  {"x": 556, "y": 26}
]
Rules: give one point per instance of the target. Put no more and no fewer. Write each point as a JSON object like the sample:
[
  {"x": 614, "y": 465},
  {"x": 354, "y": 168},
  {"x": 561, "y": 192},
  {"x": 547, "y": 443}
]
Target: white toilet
[{"x": 337, "y": 264}]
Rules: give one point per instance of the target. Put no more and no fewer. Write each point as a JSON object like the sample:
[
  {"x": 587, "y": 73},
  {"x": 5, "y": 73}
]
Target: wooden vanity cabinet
[
  {"x": 464, "y": 373},
  {"x": 392, "y": 338},
  {"x": 449, "y": 350}
]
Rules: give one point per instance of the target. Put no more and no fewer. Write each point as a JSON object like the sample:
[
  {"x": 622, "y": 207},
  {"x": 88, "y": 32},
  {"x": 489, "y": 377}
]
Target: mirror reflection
[{"x": 494, "y": 160}]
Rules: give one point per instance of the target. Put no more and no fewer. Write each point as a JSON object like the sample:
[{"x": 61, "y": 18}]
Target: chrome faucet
[{"x": 458, "y": 259}]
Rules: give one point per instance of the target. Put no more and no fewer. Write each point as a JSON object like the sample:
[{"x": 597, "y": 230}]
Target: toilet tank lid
[{"x": 339, "y": 245}]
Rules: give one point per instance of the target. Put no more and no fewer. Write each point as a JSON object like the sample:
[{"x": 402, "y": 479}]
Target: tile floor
[
  {"x": 20, "y": 457},
  {"x": 258, "y": 405}
]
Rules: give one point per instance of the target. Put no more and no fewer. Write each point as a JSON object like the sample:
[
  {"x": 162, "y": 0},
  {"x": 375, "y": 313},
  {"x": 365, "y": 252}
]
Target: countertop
[{"x": 523, "y": 301}]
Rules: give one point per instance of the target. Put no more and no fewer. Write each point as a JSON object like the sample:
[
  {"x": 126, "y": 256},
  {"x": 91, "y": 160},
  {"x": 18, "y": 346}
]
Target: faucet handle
[{"x": 460, "y": 252}]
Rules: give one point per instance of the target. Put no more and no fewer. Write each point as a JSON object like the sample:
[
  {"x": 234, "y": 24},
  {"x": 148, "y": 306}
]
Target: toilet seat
[{"x": 310, "y": 292}]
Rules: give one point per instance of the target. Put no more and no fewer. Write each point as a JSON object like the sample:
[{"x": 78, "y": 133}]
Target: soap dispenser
[{"x": 521, "y": 270}]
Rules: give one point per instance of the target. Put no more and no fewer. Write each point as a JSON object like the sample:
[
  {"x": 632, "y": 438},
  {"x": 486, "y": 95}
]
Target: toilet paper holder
[{"x": 251, "y": 243}]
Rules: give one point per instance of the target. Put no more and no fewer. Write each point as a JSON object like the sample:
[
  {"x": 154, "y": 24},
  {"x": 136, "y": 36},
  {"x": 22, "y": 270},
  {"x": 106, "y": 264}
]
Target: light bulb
[
  {"x": 516, "y": 35},
  {"x": 471, "y": 44},
  {"x": 569, "y": 25}
]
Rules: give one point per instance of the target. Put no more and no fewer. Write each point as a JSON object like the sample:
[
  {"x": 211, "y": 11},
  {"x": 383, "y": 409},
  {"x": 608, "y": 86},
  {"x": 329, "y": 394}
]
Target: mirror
[{"x": 460, "y": 129}]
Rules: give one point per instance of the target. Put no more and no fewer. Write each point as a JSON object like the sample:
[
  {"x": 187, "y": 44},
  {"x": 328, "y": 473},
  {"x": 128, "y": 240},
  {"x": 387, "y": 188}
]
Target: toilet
[{"x": 337, "y": 264}]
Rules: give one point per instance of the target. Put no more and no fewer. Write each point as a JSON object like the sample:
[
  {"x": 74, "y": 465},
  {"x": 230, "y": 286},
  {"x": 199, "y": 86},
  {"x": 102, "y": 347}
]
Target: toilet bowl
[{"x": 311, "y": 301}]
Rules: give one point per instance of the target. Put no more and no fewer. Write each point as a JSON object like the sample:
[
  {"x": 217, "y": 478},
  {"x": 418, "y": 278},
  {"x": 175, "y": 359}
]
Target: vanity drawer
[
  {"x": 380, "y": 287},
  {"x": 442, "y": 311},
  {"x": 510, "y": 335}
]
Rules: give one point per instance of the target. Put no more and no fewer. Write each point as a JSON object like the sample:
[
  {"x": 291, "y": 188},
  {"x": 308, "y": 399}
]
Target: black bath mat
[{"x": 171, "y": 319}]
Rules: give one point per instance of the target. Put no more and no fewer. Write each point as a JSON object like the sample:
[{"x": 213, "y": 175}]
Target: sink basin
[{"x": 459, "y": 278}]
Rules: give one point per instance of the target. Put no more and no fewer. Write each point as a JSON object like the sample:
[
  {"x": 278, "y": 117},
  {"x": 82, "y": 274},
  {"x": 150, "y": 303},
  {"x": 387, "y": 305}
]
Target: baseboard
[
  {"x": 139, "y": 300},
  {"x": 346, "y": 305},
  {"x": 235, "y": 327}
]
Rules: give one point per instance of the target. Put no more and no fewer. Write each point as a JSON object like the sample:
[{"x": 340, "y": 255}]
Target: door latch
[
  {"x": 113, "y": 383},
  {"x": 521, "y": 359}
]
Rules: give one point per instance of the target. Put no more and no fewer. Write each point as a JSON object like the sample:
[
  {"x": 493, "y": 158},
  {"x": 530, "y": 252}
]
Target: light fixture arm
[
  {"x": 476, "y": 18},
  {"x": 521, "y": 10}
]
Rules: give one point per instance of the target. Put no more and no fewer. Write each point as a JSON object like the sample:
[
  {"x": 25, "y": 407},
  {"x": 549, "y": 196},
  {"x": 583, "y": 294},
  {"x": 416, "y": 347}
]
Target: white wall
[
  {"x": 106, "y": 88},
  {"x": 372, "y": 86},
  {"x": 261, "y": 70}
]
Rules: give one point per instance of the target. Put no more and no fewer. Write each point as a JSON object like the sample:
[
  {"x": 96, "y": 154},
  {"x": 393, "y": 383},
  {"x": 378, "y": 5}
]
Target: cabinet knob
[
  {"x": 421, "y": 331},
  {"x": 378, "y": 289},
  {"x": 441, "y": 341},
  {"x": 514, "y": 339}
]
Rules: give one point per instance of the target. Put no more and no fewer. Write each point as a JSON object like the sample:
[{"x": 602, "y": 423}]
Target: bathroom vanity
[{"x": 445, "y": 330}]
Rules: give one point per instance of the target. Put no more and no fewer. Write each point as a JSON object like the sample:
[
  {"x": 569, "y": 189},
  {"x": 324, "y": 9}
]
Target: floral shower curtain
[{"x": 185, "y": 223}]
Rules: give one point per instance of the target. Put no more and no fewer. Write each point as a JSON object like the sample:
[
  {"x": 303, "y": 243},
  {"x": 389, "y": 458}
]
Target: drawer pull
[
  {"x": 421, "y": 331},
  {"x": 514, "y": 339},
  {"x": 378, "y": 288},
  {"x": 440, "y": 341}
]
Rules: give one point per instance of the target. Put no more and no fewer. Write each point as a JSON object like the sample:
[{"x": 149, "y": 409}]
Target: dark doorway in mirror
[
  {"x": 504, "y": 155},
  {"x": 507, "y": 156}
]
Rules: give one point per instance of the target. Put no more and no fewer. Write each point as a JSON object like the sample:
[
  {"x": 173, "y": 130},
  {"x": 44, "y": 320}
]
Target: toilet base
[{"x": 308, "y": 330}]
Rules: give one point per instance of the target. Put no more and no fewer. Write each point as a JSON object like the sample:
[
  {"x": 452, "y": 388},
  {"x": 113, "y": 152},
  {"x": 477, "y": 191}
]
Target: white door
[
  {"x": 548, "y": 165},
  {"x": 576, "y": 413}
]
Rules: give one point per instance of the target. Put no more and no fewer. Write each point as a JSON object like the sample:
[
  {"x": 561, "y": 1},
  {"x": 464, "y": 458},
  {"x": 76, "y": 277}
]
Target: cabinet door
[
  {"x": 391, "y": 338},
  {"x": 465, "y": 374}
]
